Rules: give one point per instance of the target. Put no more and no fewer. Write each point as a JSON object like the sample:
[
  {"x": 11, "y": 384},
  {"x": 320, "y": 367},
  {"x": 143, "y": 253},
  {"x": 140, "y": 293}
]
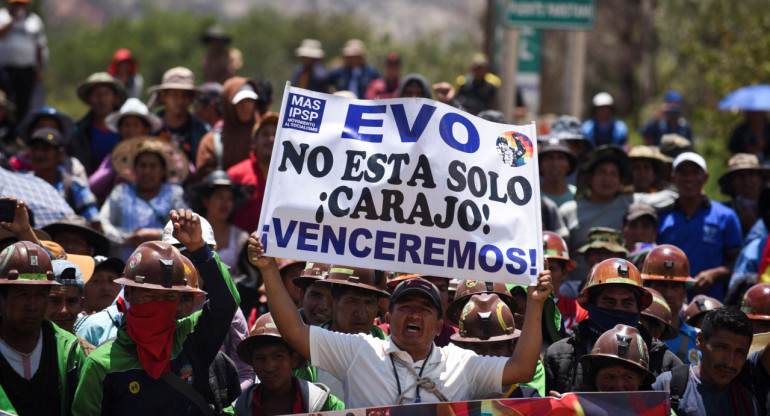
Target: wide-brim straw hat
[
  {"x": 310, "y": 48},
  {"x": 605, "y": 153},
  {"x": 79, "y": 225},
  {"x": 133, "y": 107},
  {"x": 741, "y": 162},
  {"x": 178, "y": 78},
  {"x": 354, "y": 47},
  {"x": 177, "y": 165},
  {"x": 101, "y": 78}
]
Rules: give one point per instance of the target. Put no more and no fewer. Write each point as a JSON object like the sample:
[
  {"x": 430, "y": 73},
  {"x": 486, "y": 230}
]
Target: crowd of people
[{"x": 147, "y": 290}]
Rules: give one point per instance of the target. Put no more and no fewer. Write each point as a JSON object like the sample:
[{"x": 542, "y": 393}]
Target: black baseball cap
[
  {"x": 48, "y": 135},
  {"x": 417, "y": 285},
  {"x": 112, "y": 263}
]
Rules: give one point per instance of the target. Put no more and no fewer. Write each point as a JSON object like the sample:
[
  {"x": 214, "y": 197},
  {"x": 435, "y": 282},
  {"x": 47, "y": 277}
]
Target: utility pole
[
  {"x": 508, "y": 69},
  {"x": 574, "y": 77}
]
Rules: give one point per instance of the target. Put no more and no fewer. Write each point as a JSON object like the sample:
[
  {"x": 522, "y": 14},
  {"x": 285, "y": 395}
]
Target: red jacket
[{"x": 247, "y": 172}]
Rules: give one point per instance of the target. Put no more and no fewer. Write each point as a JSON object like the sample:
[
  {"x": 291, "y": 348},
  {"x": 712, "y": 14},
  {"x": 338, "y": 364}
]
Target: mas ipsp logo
[
  {"x": 514, "y": 148},
  {"x": 304, "y": 113}
]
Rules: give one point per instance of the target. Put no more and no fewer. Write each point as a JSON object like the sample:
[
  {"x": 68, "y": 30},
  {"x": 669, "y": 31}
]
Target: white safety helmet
[{"x": 603, "y": 99}]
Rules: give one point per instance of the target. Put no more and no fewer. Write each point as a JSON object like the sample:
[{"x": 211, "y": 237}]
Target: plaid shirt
[
  {"x": 42, "y": 199},
  {"x": 83, "y": 202}
]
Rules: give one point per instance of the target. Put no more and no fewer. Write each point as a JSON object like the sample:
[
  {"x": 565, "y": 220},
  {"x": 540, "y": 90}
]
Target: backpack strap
[
  {"x": 683, "y": 344},
  {"x": 680, "y": 375},
  {"x": 177, "y": 383},
  {"x": 189, "y": 391},
  {"x": 218, "y": 147}
]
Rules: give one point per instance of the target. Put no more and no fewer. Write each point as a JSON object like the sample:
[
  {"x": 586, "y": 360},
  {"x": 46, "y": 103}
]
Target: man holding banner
[
  {"x": 407, "y": 367},
  {"x": 404, "y": 185}
]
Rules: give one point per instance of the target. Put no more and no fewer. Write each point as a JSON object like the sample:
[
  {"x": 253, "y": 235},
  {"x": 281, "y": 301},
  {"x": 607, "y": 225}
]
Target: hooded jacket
[
  {"x": 236, "y": 135},
  {"x": 70, "y": 359},
  {"x": 315, "y": 398},
  {"x": 427, "y": 90},
  {"x": 564, "y": 373}
]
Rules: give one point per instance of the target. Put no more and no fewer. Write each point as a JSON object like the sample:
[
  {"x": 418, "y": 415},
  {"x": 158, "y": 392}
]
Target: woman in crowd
[
  {"x": 216, "y": 199},
  {"x": 132, "y": 120},
  {"x": 136, "y": 210}
]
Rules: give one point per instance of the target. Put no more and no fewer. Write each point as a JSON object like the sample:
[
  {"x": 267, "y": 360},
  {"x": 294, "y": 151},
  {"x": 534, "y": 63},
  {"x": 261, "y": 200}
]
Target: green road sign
[
  {"x": 550, "y": 14},
  {"x": 529, "y": 49}
]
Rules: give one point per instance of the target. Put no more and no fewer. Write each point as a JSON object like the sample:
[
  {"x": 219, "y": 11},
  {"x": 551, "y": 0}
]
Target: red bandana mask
[{"x": 152, "y": 326}]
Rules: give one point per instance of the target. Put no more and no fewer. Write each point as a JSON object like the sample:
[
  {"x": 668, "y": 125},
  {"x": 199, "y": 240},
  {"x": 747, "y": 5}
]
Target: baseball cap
[
  {"x": 636, "y": 211},
  {"x": 417, "y": 285},
  {"x": 67, "y": 273},
  {"x": 246, "y": 92},
  {"x": 48, "y": 135},
  {"x": 690, "y": 157},
  {"x": 673, "y": 96},
  {"x": 111, "y": 263}
]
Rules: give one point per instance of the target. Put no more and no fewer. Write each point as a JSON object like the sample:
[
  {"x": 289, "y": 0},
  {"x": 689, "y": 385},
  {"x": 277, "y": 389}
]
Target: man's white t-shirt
[{"x": 364, "y": 366}]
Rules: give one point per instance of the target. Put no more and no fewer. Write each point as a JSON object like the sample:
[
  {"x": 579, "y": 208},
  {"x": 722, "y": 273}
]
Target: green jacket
[
  {"x": 538, "y": 382},
  {"x": 70, "y": 358},
  {"x": 114, "y": 382}
]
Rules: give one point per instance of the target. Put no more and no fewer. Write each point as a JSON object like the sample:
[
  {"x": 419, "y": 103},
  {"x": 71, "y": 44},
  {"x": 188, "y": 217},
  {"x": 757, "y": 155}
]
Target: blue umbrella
[{"x": 749, "y": 98}]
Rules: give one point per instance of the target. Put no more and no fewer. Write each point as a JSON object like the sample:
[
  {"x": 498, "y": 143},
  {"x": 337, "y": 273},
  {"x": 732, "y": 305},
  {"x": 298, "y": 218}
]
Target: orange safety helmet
[
  {"x": 614, "y": 271},
  {"x": 668, "y": 263},
  {"x": 756, "y": 302},
  {"x": 555, "y": 248}
]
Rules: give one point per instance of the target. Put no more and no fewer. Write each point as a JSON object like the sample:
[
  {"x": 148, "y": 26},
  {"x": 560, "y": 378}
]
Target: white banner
[{"x": 404, "y": 185}]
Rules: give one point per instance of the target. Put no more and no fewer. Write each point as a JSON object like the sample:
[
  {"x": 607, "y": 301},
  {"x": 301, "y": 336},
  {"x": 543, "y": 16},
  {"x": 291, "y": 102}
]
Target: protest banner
[
  {"x": 640, "y": 403},
  {"x": 404, "y": 185}
]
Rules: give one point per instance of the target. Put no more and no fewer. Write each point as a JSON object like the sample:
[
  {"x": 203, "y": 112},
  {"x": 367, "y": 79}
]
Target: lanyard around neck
[{"x": 398, "y": 382}]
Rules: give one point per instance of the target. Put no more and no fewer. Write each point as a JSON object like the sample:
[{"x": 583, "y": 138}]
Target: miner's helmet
[
  {"x": 621, "y": 345},
  {"x": 312, "y": 273},
  {"x": 661, "y": 312},
  {"x": 555, "y": 248},
  {"x": 698, "y": 307},
  {"x": 26, "y": 263},
  {"x": 486, "y": 318},
  {"x": 358, "y": 277},
  {"x": 156, "y": 265},
  {"x": 468, "y": 288},
  {"x": 192, "y": 276},
  {"x": 667, "y": 263},
  {"x": 264, "y": 330},
  {"x": 756, "y": 302},
  {"x": 615, "y": 272}
]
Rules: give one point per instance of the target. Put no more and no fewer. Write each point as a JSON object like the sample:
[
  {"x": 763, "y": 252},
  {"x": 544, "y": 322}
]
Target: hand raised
[
  {"x": 256, "y": 252},
  {"x": 187, "y": 228}
]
